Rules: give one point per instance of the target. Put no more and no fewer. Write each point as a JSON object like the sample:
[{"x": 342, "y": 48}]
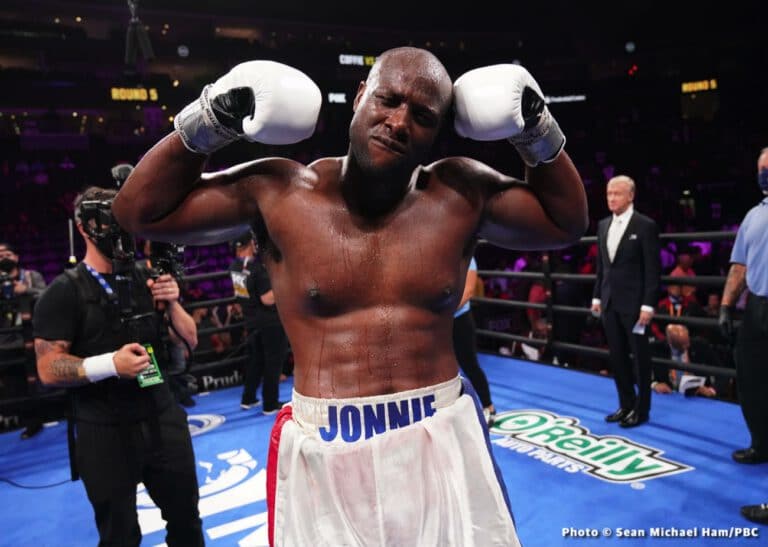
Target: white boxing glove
[
  {"x": 505, "y": 102},
  {"x": 261, "y": 101}
]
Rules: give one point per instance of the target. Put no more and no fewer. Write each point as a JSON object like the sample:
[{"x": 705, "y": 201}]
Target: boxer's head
[{"x": 399, "y": 110}]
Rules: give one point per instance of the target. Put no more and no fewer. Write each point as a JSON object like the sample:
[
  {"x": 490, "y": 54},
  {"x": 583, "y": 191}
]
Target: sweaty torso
[{"x": 368, "y": 306}]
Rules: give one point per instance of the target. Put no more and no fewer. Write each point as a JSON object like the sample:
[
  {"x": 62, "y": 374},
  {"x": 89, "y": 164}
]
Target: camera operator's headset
[
  {"x": 115, "y": 242},
  {"x": 104, "y": 230}
]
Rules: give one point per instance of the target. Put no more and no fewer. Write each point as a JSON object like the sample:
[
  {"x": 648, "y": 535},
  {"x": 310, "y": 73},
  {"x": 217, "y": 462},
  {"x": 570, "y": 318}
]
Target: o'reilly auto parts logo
[{"x": 566, "y": 444}]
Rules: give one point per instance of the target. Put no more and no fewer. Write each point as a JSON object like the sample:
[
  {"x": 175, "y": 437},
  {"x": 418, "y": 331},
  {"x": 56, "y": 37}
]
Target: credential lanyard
[{"x": 98, "y": 277}]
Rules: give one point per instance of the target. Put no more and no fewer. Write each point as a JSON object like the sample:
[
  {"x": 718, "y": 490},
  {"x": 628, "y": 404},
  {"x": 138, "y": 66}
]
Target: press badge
[
  {"x": 151, "y": 375},
  {"x": 240, "y": 284}
]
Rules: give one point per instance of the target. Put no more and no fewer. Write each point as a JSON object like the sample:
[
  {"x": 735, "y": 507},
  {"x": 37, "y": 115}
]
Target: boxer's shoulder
[
  {"x": 321, "y": 177},
  {"x": 460, "y": 169},
  {"x": 261, "y": 167},
  {"x": 324, "y": 171},
  {"x": 283, "y": 171},
  {"x": 470, "y": 178}
]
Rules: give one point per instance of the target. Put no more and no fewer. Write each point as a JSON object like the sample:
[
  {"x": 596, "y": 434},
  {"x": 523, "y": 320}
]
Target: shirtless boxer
[{"x": 383, "y": 444}]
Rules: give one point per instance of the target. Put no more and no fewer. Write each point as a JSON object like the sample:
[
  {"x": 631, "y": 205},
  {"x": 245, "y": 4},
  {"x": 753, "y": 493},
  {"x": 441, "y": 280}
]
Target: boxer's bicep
[
  {"x": 220, "y": 206},
  {"x": 514, "y": 218},
  {"x": 547, "y": 211},
  {"x": 511, "y": 214},
  {"x": 213, "y": 212}
]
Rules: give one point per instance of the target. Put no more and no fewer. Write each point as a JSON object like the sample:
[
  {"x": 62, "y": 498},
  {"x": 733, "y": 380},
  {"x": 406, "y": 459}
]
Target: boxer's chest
[{"x": 334, "y": 261}]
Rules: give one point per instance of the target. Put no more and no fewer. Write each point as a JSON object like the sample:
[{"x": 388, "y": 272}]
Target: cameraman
[
  {"x": 93, "y": 327},
  {"x": 19, "y": 289}
]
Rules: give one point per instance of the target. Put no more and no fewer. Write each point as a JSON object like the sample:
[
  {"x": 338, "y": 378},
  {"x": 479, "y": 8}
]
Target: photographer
[
  {"x": 98, "y": 329},
  {"x": 25, "y": 282},
  {"x": 19, "y": 289}
]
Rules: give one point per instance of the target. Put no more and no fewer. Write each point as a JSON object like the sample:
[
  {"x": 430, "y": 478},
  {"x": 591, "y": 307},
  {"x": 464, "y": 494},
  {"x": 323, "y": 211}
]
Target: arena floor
[{"x": 570, "y": 475}]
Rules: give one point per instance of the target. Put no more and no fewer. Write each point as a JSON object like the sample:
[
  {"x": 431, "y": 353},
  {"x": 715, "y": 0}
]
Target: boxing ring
[
  {"x": 570, "y": 475},
  {"x": 566, "y": 470},
  {"x": 551, "y": 309}
]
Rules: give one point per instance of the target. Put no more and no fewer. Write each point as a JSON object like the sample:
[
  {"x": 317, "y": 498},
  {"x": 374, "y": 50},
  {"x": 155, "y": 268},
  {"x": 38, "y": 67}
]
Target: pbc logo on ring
[{"x": 202, "y": 423}]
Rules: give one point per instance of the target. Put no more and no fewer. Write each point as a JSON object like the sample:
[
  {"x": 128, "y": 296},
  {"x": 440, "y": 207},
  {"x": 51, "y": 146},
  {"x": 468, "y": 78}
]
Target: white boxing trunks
[{"x": 406, "y": 469}]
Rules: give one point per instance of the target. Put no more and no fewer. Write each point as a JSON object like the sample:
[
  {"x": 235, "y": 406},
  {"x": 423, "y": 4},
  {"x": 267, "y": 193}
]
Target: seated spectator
[
  {"x": 684, "y": 268},
  {"x": 712, "y": 309},
  {"x": 209, "y": 345},
  {"x": 680, "y": 347},
  {"x": 539, "y": 331},
  {"x": 675, "y": 304}
]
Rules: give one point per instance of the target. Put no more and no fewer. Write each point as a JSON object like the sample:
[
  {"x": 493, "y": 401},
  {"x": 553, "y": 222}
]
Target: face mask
[
  {"x": 104, "y": 245},
  {"x": 7, "y": 265},
  {"x": 762, "y": 179},
  {"x": 102, "y": 229},
  {"x": 116, "y": 246}
]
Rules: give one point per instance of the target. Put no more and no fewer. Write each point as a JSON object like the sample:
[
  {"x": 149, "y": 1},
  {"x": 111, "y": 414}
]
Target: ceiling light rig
[{"x": 137, "y": 39}]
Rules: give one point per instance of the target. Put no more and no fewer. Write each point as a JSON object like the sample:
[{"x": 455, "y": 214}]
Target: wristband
[
  {"x": 540, "y": 144},
  {"x": 198, "y": 127},
  {"x": 99, "y": 367}
]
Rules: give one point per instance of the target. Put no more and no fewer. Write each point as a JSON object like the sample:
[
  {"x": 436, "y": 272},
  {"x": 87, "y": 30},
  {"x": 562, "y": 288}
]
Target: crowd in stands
[{"x": 694, "y": 172}]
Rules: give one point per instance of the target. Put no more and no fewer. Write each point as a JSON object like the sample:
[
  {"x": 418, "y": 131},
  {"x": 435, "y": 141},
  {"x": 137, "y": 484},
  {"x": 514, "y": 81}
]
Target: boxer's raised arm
[
  {"x": 167, "y": 198},
  {"x": 549, "y": 210}
]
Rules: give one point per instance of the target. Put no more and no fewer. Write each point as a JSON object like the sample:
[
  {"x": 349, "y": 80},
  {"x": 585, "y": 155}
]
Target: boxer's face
[{"x": 398, "y": 113}]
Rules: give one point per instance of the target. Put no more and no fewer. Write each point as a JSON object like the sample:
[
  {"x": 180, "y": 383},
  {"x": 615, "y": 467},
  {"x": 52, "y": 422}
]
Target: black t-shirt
[
  {"x": 63, "y": 312},
  {"x": 250, "y": 281},
  {"x": 57, "y": 312}
]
